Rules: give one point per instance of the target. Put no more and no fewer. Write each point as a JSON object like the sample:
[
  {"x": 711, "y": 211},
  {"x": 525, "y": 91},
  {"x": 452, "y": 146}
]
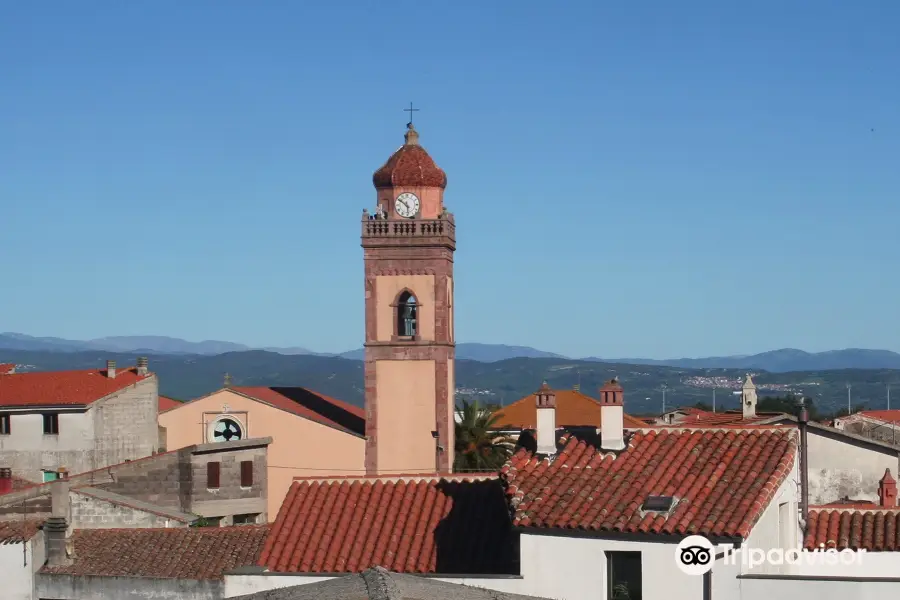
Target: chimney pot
[
  {"x": 612, "y": 416},
  {"x": 5, "y": 480},
  {"x": 887, "y": 490},
  {"x": 111, "y": 369},
  {"x": 545, "y": 403},
  {"x": 142, "y": 366}
]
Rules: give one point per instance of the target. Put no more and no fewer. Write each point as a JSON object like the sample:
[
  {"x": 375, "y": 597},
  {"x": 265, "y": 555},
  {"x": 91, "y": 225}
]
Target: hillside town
[{"x": 110, "y": 490}]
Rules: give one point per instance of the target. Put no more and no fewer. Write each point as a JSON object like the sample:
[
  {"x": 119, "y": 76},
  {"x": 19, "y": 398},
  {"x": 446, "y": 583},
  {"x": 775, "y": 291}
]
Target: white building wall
[
  {"x": 840, "y": 467},
  {"x": 801, "y": 589},
  {"x": 18, "y": 567}
]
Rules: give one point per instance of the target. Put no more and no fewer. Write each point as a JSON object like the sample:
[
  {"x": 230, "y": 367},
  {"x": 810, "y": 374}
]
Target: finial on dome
[{"x": 411, "y": 136}]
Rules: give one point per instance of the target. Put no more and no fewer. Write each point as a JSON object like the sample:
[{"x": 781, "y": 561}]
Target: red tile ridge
[{"x": 404, "y": 477}]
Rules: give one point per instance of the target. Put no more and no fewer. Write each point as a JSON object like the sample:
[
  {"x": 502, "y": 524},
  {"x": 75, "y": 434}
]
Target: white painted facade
[{"x": 18, "y": 566}]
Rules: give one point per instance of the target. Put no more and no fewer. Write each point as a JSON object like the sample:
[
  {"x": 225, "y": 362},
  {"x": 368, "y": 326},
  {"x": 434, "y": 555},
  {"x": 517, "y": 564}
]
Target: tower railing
[{"x": 416, "y": 228}]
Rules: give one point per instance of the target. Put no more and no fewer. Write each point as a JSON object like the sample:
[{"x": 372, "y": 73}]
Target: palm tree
[{"x": 479, "y": 447}]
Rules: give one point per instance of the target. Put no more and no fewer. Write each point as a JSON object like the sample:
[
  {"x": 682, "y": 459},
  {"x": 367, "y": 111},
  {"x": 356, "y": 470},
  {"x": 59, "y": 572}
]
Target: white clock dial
[{"x": 407, "y": 205}]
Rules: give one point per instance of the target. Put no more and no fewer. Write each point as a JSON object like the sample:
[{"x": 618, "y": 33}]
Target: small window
[
  {"x": 50, "y": 476},
  {"x": 246, "y": 473},
  {"x": 51, "y": 424},
  {"x": 407, "y": 313},
  {"x": 623, "y": 575},
  {"x": 658, "y": 503},
  {"x": 212, "y": 475},
  {"x": 245, "y": 519},
  {"x": 5, "y": 424}
]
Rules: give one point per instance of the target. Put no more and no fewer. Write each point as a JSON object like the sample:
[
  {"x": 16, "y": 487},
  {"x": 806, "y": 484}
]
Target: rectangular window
[
  {"x": 245, "y": 519},
  {"x": 5, "y": 424},
  {"x": 246, "y": 473},
  {"x": 50, "y": 476},
  {"x": 212, "y": 475},
  {"x": 623, "y": 575},
  {"x": 51, "y": 424}
]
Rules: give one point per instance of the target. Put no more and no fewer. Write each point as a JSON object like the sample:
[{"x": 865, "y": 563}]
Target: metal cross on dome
[{"x": 410, "y": 110}]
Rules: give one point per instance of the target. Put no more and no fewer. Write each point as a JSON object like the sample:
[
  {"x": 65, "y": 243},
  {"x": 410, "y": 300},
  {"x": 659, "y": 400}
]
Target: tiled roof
[
  {"x": 6, "y": 368},
  {"x": 166, "y": 403},
  {"x": 722, "y": 480},
  {"x": 12, "y": 530},
  {"x": 311, "y": 405},
  {"x": 456, "y": 525},
  {"x": 698, "y": 417},
  {"x": 63, "y": 388},
  {"x": 889, "y": 416},
  {"x": 573, "y": 409},
  {"x": 177, "y": 553},
  {"x": 380, "y": 584},
  {"x": 410, "y": 166},
  {"x": 874, "y": 529}
]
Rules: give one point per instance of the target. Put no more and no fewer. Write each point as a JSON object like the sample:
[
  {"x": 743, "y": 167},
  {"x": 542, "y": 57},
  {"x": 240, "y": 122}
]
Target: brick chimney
[
  {"x": 5, "y": 480},
  {"x": 57, "y": 525},
  {"x": 887, "y": 490},
  {"x": 111, "y": 369},
  {"x": 612, "y": 416},
  {"x": 142, "y": 366},
  {"x": 545, "y": 401}
]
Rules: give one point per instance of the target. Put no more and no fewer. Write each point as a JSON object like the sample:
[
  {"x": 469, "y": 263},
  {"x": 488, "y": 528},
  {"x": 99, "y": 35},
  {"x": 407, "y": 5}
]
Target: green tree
[
  {"x": 703, "y": 406},
  {"x": 479, "y": 447}
]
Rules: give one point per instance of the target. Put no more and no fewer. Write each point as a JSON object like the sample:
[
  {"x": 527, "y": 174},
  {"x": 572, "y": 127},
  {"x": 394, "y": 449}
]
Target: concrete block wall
[
  {"x": 164, "y": 480},
  {"x": 125, "y": 425},
  {"x": 87, "y": 512},
  {"x": 230, "y": 498}
]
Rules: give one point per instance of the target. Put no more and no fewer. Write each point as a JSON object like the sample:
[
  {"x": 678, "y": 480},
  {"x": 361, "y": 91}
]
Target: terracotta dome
[{"x": 410, "y": 166}]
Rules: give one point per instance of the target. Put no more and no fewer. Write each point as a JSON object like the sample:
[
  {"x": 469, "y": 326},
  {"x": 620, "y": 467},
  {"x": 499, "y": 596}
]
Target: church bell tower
[{"x": 408, "y": 243}]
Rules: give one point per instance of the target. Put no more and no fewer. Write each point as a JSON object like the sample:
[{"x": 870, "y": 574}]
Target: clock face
[{"x": 407, "y": 205}]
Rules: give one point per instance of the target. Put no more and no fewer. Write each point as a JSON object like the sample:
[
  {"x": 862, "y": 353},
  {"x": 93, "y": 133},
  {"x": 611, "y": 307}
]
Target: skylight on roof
[{"x": 658, "y": 503}]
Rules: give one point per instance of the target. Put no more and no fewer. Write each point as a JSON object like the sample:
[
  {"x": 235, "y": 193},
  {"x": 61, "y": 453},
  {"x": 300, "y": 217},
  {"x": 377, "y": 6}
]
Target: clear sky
[{"x": 629, "y": 179}]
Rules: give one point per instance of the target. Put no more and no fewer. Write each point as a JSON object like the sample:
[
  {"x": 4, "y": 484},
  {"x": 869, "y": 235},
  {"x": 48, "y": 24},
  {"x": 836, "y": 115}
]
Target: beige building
[
  {"x": 313, "y": 435},
  {"x": 74, "y": 421}
]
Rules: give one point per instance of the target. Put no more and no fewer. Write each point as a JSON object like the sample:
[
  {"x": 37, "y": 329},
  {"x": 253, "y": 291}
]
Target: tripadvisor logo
[{"x": 695, "y": 555}]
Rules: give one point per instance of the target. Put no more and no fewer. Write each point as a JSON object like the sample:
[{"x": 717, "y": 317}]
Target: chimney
[
  {"x": 5, "y": 481},
  {"x": 57, "y": 525},
  {"x": 803, "y": 420},
  {"x": 142, "y": 366},
  {"x": 612, "y": 416},
  {"x": 111, "y": 369},
  {"x": 887, "y": 490},
  {"x": 748, "y": 398},
  {"x": 545, "y": 401}
]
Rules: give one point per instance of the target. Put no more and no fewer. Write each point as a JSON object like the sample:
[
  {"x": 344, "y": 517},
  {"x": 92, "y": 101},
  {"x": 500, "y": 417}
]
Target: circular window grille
[{"x": 226, "y": 429}]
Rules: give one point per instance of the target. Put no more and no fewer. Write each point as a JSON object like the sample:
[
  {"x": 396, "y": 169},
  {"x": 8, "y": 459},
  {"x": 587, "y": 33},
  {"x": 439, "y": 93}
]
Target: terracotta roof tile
[
  {"x": 722, "y": 480},
  {"x": 410, "y": 166},
  {"x": 889, "y": 416},
  {"x": 177, "y": 553},
  {"x": 873, "y": 529},
  {"x": 63, "y": 388},
  {"x": 11, "y": 531},
  {"x": 698, "y": 417},
  {"x": 457, "y": 525},
  {"x": 166, "y": 403},
  {"x": 311, "y": 405},
  {"x": 573, "y": 409}
]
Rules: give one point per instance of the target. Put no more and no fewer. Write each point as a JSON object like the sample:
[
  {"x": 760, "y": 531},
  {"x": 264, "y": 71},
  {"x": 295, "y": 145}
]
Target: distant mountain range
[{"x": 775, "y": 361}]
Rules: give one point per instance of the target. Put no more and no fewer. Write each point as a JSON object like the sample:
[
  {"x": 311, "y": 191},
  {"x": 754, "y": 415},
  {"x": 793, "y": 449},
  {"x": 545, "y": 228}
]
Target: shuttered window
[
  {"x": 246, "y": 473},
  {"x": 212, "y": 475}
]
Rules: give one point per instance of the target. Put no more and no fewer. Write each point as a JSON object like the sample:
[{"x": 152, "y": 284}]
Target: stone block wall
[
  {"x": 125, "y": 425},
  {"x": 164, "y": 480},
  {"x": 94, "y": 513}
]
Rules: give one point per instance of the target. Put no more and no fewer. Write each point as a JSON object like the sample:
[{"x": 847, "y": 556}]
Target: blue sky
[{"x": 650, "y": 179}]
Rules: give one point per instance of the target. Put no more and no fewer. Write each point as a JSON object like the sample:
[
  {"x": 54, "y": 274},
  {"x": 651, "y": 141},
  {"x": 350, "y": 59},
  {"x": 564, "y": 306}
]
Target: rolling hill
[{"x": 188, "y": 376}]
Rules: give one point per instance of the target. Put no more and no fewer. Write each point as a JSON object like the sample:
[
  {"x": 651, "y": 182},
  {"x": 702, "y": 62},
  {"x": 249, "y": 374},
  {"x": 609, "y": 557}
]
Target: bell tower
[{"x": 408, "y": 244}]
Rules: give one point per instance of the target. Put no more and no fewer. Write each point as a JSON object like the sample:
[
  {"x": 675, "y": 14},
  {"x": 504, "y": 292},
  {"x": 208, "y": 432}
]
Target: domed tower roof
[{"x": 410, "y": 166}]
